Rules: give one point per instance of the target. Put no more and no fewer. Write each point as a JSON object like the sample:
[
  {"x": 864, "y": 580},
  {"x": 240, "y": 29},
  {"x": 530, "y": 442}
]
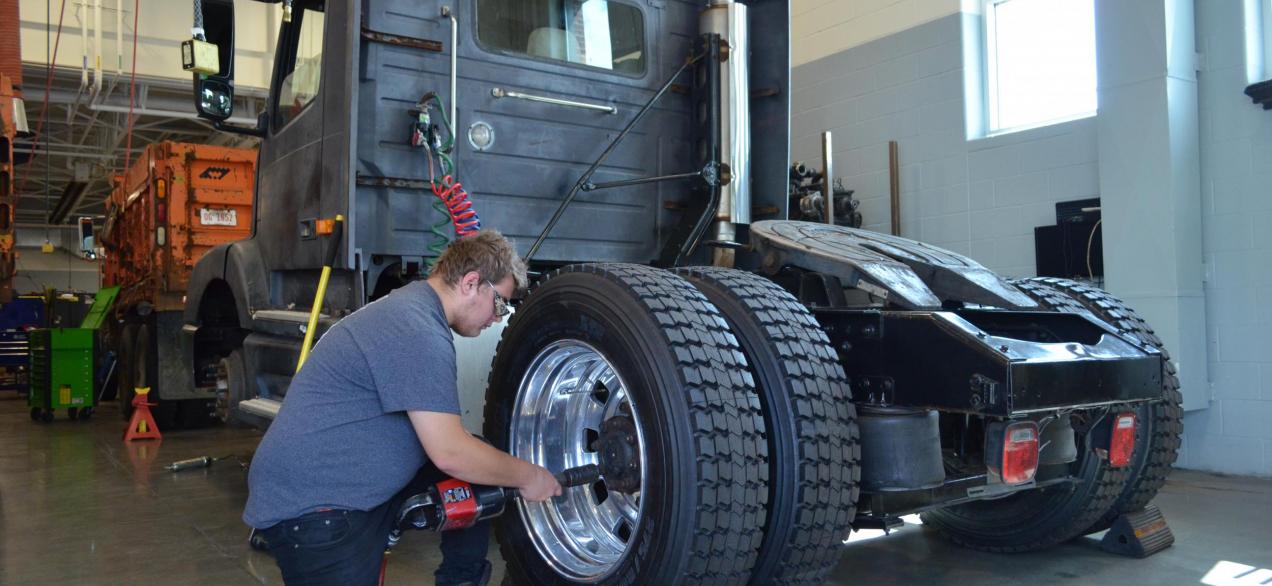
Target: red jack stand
[{"x": 142, "y": 425}]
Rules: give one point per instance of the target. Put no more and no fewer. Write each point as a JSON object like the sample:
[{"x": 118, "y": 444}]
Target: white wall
[
  {"x": 825, "y": 27},
  {"x": 983, "y": 197},
  {"x": 161, "y": 28}
]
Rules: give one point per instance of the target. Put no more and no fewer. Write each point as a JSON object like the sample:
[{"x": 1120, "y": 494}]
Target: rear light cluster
[
  {"x": 1011, "y": 451},
  {"x": 1122, "y": 442},
  {"x": 1020, "y": 452},
  {"x": 161, "y": 211}
]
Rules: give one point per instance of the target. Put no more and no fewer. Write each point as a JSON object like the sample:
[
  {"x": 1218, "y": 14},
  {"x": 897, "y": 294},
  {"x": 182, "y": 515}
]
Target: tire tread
[{"x": 825, "y": 424}]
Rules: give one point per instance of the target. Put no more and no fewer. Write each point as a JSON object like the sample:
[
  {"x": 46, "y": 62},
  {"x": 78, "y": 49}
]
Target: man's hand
[{"x": 541, "y": 486}]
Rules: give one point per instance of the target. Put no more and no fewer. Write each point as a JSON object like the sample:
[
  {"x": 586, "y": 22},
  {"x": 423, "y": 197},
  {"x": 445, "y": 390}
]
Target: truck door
[
  {"x": 543, "y": 87},
  {"x": 290, "y": 176}
]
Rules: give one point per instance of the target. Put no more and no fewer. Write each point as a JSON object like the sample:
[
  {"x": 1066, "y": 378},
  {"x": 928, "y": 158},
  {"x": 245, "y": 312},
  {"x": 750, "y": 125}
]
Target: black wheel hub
[{"x": 619, "y": 454}]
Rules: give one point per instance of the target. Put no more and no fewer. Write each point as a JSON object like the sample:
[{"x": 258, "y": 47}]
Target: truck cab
[{"x": 535, "y": 89}]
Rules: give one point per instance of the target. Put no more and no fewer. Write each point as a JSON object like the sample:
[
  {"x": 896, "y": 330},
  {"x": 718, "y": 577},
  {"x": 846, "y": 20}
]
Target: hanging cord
[
  {"x": 458, "y": 206},
  {"x": 440, "y": 238},
  {"x": 1091, "y": 240},
  {"x": 197, "y": 30},
  {"x": 132, "y": 90},
  {"x": 48, "y": 85},
  {"x": 452, "y": 200}
]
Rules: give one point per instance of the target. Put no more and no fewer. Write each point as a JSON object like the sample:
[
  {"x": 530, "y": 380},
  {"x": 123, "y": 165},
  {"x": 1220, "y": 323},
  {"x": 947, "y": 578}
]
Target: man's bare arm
[{"x": 458, "y": 454}]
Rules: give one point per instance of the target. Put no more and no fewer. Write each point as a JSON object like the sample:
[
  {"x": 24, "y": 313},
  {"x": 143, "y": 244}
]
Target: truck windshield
[{"x": 599, "y": 33}]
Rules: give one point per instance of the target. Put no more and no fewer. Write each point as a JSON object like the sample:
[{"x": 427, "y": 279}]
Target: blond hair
[{"x": 488, "y": 253}]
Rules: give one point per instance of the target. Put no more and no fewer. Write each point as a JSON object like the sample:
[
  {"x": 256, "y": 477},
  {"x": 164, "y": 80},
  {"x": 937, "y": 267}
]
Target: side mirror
[
  {"x": 87, "y": 243},
  {"x": 215, "y": 99},
  {"x": 214, "y": 93}
]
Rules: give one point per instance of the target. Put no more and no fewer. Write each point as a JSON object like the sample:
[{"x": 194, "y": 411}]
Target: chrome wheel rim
[
  {"x": 569, "y": 389},
  {"x": 223, "y": 391}
]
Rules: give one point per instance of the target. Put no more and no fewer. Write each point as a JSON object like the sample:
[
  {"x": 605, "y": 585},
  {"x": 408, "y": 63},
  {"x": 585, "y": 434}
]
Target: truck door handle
[{"x": 502, "y": 93}]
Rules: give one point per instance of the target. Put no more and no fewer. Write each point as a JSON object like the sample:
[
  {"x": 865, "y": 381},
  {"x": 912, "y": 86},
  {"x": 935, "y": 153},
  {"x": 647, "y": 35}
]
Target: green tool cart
[{"x": 63, "y": 363}]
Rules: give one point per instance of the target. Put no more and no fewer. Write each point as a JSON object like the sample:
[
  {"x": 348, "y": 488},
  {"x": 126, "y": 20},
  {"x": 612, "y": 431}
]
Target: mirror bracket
[{"x": 258, "y": 131}]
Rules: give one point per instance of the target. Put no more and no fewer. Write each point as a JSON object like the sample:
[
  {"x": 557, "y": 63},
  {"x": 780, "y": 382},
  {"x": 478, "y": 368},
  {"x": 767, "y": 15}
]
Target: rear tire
[
  {"x": 232, "y": 371},
  {"x": 1161, "y": 424},
  {"x": 1040, "y": 518},
  {"x": 1035, "y": 519},
  {"x": 125, "y": 375},
  {"x": 145, "y": 374},
  {"x": 703, "y": 465},
  {"x": 812, "y": 440}
]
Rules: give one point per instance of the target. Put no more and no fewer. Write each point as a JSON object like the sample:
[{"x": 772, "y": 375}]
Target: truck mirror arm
[{"x": 257, "y": 131}]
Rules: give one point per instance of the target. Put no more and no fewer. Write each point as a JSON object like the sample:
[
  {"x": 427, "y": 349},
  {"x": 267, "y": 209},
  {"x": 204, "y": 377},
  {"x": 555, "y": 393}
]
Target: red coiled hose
[{"x": 460, "y": 208}]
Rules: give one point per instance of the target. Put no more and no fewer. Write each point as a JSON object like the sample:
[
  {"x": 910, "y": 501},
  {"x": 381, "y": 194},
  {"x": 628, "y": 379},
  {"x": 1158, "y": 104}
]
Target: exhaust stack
[{"x": 728, "y": 19}]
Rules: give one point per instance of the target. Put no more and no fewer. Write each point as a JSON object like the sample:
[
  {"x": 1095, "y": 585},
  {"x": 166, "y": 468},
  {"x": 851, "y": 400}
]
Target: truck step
[
  {"x": 283, "y": 322},
  {"x": 267, "y": 408}
]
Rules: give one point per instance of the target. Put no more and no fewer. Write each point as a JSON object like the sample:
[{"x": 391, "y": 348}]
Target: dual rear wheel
[{"x": 716, "y": 410}]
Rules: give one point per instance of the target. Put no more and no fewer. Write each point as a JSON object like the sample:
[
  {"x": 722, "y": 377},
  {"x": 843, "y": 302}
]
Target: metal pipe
[
  {"x": 641, "y": 181},
  {"x": 894, "y": 185},
  {"x": 454, "y": 68},
  {"x": 119, "y": 37},
  {"x": 97, "y": 47},
  {"x": 76, "y": 155},
  {"x": 502, "y": 93},
  {"x": 83, "y": 45},
  {"x": 728, "y": 19},
  {"x": 164, "y": 113},
  {"x": 828, "y": 177}
]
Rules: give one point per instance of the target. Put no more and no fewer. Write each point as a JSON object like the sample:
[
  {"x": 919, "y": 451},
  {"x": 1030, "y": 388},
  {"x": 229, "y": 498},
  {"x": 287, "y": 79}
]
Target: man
[{"x": 375, "y": 402}]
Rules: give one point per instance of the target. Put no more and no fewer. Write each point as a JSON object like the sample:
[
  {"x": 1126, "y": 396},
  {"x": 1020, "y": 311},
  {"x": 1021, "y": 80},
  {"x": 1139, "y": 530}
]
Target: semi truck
[
  {"x": 753, "y": 388},
  {"x": 174, "y": 203}
]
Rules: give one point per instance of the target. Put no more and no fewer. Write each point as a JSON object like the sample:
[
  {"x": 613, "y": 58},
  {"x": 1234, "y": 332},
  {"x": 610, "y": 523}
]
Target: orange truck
[
  {"x": 10, "y": 127},
  {"x": 174, "y": 203}
]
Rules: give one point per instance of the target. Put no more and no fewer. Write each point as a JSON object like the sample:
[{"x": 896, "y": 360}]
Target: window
[
  {"x": 303, "y": 71},
  {"x": 1039, "y": 62},
  {"x": 598, "y": 33},
  {"x": 1258, "y": 36}
]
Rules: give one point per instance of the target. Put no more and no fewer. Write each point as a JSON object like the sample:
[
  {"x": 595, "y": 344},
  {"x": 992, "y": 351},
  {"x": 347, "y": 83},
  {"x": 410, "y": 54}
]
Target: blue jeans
[{"x": 340, "y": 546}]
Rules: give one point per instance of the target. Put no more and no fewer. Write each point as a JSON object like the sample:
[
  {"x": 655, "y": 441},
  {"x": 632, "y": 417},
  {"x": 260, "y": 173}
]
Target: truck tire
[
  {"x": 232, "y": 371},
  {"x": 812, "y": 439},
  {"x": 146, "y": 374},
  {"x": 1039, "y": 518},
  {"x": 1035, "y": 519},
  {"x": 1161, "y": 424},
  {"x": 684, "y": 493},
  {"x": 109, "y": 340},
  {"x": 127, "y": 341}
]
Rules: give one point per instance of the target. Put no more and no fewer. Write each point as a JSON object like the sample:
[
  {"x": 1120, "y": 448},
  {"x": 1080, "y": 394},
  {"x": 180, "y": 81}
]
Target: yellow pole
[{"x": 322, "y": 292}]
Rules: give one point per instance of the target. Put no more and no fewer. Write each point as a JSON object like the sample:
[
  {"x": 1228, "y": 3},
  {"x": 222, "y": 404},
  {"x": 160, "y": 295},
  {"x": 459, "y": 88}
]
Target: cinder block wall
[
  {"x": 1235, "y": 434},
  {"x": 983, "y": 197}
]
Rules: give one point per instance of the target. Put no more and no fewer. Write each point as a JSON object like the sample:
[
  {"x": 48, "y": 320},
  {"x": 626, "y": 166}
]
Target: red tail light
[
  {"x": 1020, "y": 452},
  {"x": 1122, "y": 445}
]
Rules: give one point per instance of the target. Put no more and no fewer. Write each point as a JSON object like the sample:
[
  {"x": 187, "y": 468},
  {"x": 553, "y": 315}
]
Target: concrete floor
[{"x": 77, "y": 506}]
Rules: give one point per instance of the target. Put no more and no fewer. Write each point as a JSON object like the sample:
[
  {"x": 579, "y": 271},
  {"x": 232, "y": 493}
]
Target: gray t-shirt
[{"x": 342, "y": 439}]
